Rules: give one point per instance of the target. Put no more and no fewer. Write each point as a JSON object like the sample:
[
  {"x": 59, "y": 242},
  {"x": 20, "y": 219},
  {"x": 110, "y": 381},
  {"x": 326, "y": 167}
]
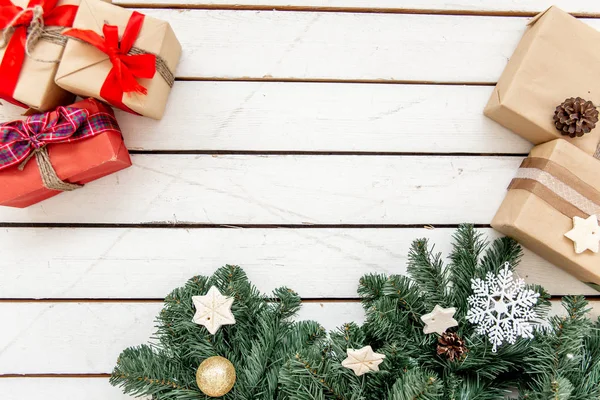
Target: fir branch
[
  {"x": 467, "y": 248},
  {"x": 287, "y": 303},
  {"x": 472, "y": 388},
  {"x": 320, "y": 380},
  {"x": 557, "y": 358},
  {"x": 427, "y": 271},
  {"x": 370, "y": 288},
  {"x": 501, "y": 251},
  {"x": 141, "y": 371},
  {"x": 408, "y": 295},
  {"x": 416, "y": 384}
]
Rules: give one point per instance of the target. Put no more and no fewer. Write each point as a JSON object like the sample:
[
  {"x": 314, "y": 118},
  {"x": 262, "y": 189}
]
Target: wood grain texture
[
  {"x": 88, "y": 337},
  {"x": 343, "y": 46},
  {"x": 59, "y": 388},
  {"x": 240, "y": 189},
  {"x": 323, "y": 117},
  {"x": 585, "y": 7},
  {"x": 149, "y": 263}
]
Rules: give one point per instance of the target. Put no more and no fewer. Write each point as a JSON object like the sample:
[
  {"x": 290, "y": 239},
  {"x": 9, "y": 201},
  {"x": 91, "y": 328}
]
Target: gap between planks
[
  {"x": 158, "y": 300},
  {"x": 152, "y": 301},
  {"x": 104, "y": 376},
  {"x": 182, "y": 225},
  {"x": 327, "y": 80},
  {"x": 322, "y": 153},
  {"x": 353, "y": 10}
]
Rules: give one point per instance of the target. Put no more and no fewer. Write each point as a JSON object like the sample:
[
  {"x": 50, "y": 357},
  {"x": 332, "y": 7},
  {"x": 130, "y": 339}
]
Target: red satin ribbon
[
  {"x": 122, "y": 78},
  {"x": 14, "y": 56}
]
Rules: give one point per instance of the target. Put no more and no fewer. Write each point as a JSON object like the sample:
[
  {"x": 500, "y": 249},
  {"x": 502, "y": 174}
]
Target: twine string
[{"x": 50, "y": 179}]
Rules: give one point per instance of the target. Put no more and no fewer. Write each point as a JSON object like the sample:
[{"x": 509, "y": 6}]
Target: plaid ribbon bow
[{"x": 21, "y": 140}]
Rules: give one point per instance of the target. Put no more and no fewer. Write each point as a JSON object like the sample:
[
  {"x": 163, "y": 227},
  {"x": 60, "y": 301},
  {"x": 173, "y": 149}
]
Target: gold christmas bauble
[{"x": 215, "y": 376}]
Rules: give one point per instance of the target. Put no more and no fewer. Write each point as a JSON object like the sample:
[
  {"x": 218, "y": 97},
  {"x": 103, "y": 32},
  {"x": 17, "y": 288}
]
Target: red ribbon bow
[
  {"x": 14, "y": 56},
  {"x": 122, "y": 78}
]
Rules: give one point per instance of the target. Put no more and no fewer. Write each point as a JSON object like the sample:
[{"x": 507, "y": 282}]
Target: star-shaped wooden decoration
[
  {"x": 363, "y": 360},
  {"x": 585, "y": 234},
  {"x": 439, "y": 320},
  {"x": 213, "y": 310}
]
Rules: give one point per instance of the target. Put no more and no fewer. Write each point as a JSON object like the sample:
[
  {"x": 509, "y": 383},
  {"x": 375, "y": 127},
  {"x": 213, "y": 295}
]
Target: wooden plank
[
  {"x": 120, "y": 263},
  {"x": 328, "y": 117},
  {"x": 343, "y": 46},
  {"x": 585, "y": 7},
  {"x": 87, "y": 337},
  {"x": 242, "y": 189},
  {"x": 59, "y": 388}
]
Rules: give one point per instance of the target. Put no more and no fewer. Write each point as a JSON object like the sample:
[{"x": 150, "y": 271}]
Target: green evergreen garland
[
  {"x": 276, "y": 358},
  {"x": 258, "y": 344}
]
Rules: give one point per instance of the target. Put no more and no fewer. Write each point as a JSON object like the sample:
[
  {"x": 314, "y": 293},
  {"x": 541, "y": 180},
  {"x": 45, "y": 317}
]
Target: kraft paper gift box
[
  {"x": 82, "y": 143},
  {"x": 556, "y": 59},
  {"x": 28, "y": 81},
  {"x": 556, "y": 183},
  {"x": 86, "y": 68}
]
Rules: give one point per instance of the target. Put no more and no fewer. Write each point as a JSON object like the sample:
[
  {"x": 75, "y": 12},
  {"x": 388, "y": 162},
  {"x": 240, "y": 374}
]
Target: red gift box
[{"x": 82, "y": 143}]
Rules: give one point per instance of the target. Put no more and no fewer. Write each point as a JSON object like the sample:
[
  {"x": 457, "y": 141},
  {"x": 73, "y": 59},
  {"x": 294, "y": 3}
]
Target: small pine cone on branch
[
  {"x": 452, "y": 346},
  {"x": 575, "y": 117}
]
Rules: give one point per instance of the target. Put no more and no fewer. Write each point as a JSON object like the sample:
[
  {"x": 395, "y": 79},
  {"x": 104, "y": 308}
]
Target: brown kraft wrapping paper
[
  {"x": 36, "y": 87},
  {"x": 536, "y": 211},
  {"x": 555, "y": 60},
  {"x": 84, "y": 68}
]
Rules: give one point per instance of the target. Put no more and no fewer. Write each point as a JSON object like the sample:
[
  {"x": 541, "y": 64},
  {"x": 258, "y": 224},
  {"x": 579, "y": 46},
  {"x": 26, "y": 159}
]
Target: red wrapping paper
[{"x": 77, "y": 162}]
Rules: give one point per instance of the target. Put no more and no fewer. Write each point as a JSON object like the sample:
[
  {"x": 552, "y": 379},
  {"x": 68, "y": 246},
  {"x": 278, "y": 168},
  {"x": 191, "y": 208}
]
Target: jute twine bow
[
  {"x": 36, "y": 31},
  {"x": 49, "y": 177}
]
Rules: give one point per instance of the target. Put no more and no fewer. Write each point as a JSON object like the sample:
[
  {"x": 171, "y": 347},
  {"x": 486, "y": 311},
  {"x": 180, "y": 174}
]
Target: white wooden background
[{"x": 309, "y": 141}]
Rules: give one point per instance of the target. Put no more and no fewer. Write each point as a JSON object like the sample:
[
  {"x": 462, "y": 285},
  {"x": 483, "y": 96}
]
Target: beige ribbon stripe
[
  {"x": 541, "y": 191},
  {"x": 563, "y": 174},
  {"x": 558, "y": 187}
]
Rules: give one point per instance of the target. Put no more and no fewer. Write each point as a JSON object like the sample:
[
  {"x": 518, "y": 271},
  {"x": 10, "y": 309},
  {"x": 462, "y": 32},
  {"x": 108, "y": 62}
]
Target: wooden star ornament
[
  {"x": 363, "y": 360},
  {"x": 439, "y": 320},
  {"x": 213, "y": 310},
  {"x": 585, "y": 234}
]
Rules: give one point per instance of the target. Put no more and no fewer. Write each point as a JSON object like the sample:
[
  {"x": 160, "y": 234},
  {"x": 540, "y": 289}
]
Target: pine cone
[
  {"x": 452, "y": 346},
  {"x": 575, "y": 117}
]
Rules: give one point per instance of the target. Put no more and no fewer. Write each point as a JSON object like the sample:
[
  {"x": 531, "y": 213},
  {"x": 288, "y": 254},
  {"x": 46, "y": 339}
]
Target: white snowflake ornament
[
  {"x": 213, "y": 310},
  {"x": 439, "y": 320},
  {"x": 363, "y": 360},
  {"x": 502, "y": 307}
]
